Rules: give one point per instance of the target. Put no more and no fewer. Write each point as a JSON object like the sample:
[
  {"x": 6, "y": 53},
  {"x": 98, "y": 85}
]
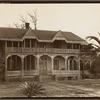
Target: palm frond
[
  {"x": 32, "y": 89},
  {"x": 93, "y": 38}
]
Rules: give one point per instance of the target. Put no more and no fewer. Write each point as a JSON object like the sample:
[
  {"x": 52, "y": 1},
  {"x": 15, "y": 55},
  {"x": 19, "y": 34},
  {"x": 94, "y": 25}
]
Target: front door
[{"x": 43, "y": 66}]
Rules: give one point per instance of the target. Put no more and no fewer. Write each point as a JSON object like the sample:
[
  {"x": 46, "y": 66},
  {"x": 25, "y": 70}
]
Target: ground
[{"x": 68, "y": 88}]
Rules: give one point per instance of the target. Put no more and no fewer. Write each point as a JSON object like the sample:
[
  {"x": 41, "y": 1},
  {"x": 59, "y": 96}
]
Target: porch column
[
  {"x": 38, "y": 57},
  {"x": 79, "y": 68},
  {"x": 6, "y": 68},
  {"x": 52, "y": 61},
  {"x": 66, "y": 58},
  {"x": 68, "y": 64},
  {"x": 22, "y": 71}
]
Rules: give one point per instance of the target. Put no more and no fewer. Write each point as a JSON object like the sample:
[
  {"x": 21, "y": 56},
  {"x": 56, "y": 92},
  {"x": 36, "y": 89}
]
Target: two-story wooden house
[{"x": 30, "y": 52}]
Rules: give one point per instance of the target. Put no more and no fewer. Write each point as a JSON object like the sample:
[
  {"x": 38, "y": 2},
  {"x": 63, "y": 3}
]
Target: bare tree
[
  {"x": 17, "y": 25},
  {"x": 33, "y": 17},
  {"x": 23, "y": 19}
]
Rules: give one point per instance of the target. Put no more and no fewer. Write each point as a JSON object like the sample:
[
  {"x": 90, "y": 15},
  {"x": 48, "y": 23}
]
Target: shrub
[{"x": 32, "y": 89}]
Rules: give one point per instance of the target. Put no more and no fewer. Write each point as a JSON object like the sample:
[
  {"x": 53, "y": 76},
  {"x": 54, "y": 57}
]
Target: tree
[
  {"x": 17, "y": 25},
  {"x": 2, "y": 67},
  {"x": 87, "y": 57},
  {"x": 31, "y": 18},
  {"x": 91, "y": 54}
]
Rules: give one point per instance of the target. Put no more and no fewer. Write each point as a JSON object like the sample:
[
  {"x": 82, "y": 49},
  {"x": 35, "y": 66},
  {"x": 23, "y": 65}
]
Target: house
[{"x": 30, "y": 52}]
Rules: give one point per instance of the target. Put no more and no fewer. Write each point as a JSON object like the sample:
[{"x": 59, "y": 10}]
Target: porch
[{"x": 44, "y": 65}]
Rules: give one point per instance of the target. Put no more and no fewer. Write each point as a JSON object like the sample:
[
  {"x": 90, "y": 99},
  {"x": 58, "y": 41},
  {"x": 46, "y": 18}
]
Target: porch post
[
  {"x": 38, "y": 57},
  {"x": 52, "y": 61},
  {"x": 79, "y": 76},
  {"x": 39, "y": 76},
  {"x": 6, "y": 68},
  {"x": 22, "y": 70},
  {"x": 66, "y": 67}
]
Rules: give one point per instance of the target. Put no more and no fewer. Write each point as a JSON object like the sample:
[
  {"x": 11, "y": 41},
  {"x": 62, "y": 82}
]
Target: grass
[{"x": 68, "y": 88}]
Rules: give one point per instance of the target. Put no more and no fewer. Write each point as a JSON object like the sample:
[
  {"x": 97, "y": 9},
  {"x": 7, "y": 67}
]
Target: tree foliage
[{"x": 91, "y": 54}]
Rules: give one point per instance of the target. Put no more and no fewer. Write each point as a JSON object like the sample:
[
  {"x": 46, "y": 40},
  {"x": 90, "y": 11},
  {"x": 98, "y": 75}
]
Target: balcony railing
[{"x": 40, "y": 50}]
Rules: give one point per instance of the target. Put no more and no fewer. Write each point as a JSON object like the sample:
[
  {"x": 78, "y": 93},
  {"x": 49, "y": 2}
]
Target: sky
[{"x": 81, "y": 19}]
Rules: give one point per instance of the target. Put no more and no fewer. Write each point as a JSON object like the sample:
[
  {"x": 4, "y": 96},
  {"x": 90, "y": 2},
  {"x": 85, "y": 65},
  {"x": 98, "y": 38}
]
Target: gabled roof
[
  {"x": 59, "y": 36},
  {"x": 29, "y": 34},
  {"x": 16, "y": 33}
]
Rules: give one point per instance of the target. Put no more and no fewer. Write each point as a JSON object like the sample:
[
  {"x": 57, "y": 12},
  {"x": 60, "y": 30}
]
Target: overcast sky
[{"x": 81, "y": 19}]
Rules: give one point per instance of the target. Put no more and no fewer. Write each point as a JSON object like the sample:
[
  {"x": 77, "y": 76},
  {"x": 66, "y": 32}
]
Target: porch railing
[
  {"x": 19, "y": 73},
  {"x": 39, "y": 50},
  {"x": 66, "y": 72}
]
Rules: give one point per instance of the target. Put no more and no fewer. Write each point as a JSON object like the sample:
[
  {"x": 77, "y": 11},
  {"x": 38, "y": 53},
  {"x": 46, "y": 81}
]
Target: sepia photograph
[{"x": 49, "y": 50}]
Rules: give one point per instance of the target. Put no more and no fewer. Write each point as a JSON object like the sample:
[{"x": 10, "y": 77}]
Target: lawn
[{"x": 68, "y": 88}]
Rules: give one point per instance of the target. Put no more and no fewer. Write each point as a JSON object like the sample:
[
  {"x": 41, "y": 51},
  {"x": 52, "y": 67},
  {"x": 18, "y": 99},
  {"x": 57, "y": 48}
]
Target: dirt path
[
  {"x": 74, "y": 90},
  {"x": 55, "y": 89}
]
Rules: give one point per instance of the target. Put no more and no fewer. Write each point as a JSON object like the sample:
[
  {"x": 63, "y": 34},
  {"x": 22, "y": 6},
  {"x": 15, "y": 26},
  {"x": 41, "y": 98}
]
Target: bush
[{"x": 32, "y": 89}]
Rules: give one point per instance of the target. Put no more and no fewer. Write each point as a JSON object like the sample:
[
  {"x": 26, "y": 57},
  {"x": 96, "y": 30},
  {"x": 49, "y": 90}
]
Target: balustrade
[{"x": 39, "y": 50}]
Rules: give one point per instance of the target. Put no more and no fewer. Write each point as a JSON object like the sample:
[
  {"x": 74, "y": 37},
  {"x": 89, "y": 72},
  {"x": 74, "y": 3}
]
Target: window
[
  {"x": 75, "y": 46},
  {"x": 33, "y": 42},
  {"x": 56, "y": 64},
  {"x": 69, "y": 46},
  {"x": 20, "y": 44},
  {"x": 15, "y": 44},
  {"x": 9, "y": 44},
  {"x": 42, "y": 45},
  {"x": 27, "y": 42}
]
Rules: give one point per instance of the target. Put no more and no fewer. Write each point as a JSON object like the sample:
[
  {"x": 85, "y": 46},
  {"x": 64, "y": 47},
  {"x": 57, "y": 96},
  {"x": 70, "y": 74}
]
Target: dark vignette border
[{"x": 49, "y": 1}]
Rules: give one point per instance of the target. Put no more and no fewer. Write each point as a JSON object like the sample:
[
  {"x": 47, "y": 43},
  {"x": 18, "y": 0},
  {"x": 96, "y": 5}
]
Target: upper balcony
[{"x": 40, "y": 50}]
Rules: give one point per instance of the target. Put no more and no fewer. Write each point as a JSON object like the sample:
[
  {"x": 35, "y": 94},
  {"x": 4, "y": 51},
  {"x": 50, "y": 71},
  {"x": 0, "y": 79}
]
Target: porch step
[{"x": 46, "y": 78}]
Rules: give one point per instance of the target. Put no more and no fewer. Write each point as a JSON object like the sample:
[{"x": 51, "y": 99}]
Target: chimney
[{"x": 27, "y": 25}]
